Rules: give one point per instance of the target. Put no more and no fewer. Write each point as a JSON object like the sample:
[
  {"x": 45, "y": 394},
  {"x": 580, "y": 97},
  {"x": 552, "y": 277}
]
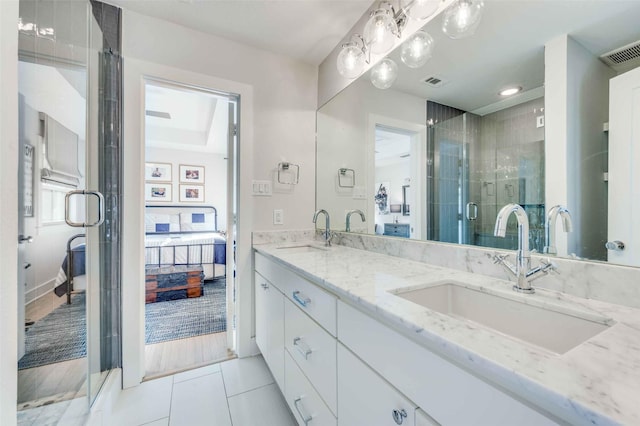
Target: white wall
[
  {"x": 9, "y": 209},
  {"x": 346, "y": 132},
  {"x": 277, "y": 122},
  {"x": 43, "y": 89},
  {"x": 215, "y": 176},
  {"x": 576, "y": 107}
]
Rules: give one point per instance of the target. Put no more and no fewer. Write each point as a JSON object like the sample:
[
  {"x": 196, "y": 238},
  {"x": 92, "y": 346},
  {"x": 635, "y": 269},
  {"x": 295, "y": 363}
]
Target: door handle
[
  {"x": 25, "y": 239},
  {"x": 472, "y": 215},
  {"x": 67, "y": 212}
]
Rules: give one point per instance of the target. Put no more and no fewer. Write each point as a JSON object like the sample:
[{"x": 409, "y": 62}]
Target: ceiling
[
  {"x": 306, "y": 30},
  {"x": 508, "y": 47}
]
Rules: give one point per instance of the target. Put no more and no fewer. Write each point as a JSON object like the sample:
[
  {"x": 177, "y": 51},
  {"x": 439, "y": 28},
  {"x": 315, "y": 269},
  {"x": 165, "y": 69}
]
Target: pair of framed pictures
[{"x": 159, "y": 183}]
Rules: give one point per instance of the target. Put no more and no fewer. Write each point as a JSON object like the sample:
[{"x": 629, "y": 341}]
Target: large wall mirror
[{"x": 441, "y": 151}]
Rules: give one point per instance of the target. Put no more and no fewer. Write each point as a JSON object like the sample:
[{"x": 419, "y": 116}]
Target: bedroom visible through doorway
[{"x": 190, "y": 139}]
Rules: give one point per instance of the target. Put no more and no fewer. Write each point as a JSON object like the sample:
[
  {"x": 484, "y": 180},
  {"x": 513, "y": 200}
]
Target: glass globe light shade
[
  {"x": 351, "y": 60},
  {"x": 417, "y": 49},
  {"x": 380, "y": 31},
  {"x": 462, "y": 18},
  {"x": 419, "y": 9},
  {"x": 384, "y": 73}
]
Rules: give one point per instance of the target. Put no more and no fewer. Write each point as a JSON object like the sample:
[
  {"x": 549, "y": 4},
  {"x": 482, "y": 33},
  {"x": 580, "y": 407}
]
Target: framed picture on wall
[
  {"x": 158, "y": 192},
  {"x": 191, "y": 174},
  {"x": 191, "y": 193},
  {"x": 157, "y": 172}
]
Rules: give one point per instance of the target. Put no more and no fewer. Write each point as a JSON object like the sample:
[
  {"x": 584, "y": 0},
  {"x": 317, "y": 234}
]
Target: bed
[
  {"x": 71, "y": 275},
  {"x": 185, "y": 235}
]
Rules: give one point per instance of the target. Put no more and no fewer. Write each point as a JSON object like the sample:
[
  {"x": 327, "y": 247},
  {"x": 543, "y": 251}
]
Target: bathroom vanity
[{"x": 354, "y": 337}]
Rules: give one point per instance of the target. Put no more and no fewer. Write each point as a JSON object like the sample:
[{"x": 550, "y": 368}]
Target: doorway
[{"x": 190, "y": 140}]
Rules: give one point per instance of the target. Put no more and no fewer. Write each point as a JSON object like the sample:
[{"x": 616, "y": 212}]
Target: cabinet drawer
[
  {"x": 448, "y": 393},
  {"x": 314, "y": 301},
  {"x": 305, "y": 403},
  {"x": 366, "y": 398},
  {"x": 314, "y": 350}
]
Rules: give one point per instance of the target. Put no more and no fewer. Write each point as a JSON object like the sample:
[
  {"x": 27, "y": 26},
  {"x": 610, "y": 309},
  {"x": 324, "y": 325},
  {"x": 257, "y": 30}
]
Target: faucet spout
[
  {"x": 349, "y": 213},
  {"x": 523, "y": 257},
  {"x": 550, "y": 227},
  {"x": 327, "y": 229}
]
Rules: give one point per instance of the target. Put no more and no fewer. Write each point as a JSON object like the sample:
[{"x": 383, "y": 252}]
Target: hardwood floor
[
  {"x": 54, "y": 382},
  {"x": 170, "y": 357}
]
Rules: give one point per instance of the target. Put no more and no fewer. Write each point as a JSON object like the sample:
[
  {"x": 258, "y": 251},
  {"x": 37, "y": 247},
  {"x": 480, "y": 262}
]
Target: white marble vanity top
[{"x": 597, "y": 382}]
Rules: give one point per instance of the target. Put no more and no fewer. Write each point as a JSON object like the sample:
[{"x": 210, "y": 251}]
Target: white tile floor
[{"x": 239, "y": 392}]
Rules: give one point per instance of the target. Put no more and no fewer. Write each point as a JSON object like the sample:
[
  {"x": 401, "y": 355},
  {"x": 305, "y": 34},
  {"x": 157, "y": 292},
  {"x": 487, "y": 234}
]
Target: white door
[{"x": 624, "y": 175}]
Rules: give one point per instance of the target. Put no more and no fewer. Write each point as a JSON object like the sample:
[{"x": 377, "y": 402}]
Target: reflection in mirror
[{"x": 473, "y": 149}]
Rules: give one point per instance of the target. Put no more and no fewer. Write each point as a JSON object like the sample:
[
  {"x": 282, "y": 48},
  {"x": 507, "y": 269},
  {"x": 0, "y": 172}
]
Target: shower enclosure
[
  {"x": 70, "y": 183},
  {"x": 477, "y": 164}
]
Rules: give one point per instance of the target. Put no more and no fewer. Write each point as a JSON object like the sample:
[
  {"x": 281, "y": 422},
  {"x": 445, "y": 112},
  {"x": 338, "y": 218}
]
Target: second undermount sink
[
  {"x": 555, "y": 330},
  {"x": 301, "y": 248}
]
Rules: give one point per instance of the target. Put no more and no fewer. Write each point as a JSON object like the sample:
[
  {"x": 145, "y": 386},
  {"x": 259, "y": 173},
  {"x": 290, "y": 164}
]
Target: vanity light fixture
[
  {"x": 382, "y": 28},
  {"x": 462, "y": 18},
  {"x": 416, "y": 51},
  {"x": 419, "y": 9},
  {"x": 384, "y": 73},
  {"x": 510, "y": 91},
  {"x": 353, "y": 57}
]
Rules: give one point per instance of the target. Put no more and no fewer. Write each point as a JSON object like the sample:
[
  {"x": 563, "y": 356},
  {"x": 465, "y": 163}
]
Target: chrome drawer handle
[
  {"x": 399, "y": 416},
  {"x": 303, "y": 301},
  {"x": 302, "y": 347},
  {"x": 305, "y": 418}
]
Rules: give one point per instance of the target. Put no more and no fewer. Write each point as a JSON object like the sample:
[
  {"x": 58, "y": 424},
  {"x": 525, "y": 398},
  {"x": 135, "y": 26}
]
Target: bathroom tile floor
[{"x": 239, "y": 392}]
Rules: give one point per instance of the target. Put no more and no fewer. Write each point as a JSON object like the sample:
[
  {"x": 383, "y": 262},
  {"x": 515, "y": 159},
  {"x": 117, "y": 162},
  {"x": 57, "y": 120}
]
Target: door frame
[{"x": 136, "y": 72}]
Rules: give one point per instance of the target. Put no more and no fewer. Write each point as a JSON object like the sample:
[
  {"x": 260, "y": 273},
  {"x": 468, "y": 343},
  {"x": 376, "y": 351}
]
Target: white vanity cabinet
[
  {"x": 270, "y": 326},
  {"x": 368, "y": 399}
]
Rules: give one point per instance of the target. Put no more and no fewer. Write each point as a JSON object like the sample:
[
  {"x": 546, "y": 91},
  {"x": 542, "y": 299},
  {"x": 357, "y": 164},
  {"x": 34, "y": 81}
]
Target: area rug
[
  {"x": 59, "y": 336},
  {"x": 179, "y": 319}
]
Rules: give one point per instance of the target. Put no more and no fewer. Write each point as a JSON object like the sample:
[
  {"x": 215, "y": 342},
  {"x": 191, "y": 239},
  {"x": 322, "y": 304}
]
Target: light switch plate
[
  {"x": 278, "y": 217},
  {"x": 261, "y": 188}
]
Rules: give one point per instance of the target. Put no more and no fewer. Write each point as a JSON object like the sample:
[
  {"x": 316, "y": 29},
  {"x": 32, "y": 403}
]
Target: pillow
[
  {"x": 197, "y": 222},
  {"x": 159, "y": 223}
]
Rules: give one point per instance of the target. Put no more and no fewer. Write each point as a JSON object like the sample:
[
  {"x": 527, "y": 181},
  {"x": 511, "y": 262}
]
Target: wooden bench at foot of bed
[{"x": 173, "y": 282}]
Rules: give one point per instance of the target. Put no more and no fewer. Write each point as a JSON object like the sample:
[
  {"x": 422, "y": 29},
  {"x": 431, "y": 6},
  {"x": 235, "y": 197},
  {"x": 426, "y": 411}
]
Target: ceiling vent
[
  {"x": 434, "y": 81},
  {"x": 623, "y": 59}
]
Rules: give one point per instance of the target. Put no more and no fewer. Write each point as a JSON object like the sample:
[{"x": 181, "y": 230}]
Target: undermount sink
[
  {"x": 301, "y": 248},
  {"x": 555, "y": 330}
]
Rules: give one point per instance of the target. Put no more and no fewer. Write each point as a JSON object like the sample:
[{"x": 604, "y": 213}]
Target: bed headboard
[{"x": 180, "y": 219}]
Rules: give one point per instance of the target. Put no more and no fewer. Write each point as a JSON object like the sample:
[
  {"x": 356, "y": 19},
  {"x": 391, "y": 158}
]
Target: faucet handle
[
  {"x": 499, "y": 258},
  {"x": 546, "y": 265}
]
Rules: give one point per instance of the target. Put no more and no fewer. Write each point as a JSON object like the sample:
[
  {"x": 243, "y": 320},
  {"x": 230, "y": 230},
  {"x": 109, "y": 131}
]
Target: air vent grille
[
  {"x": 434, "y": 81},
  {"x": 626, "y": 56}
]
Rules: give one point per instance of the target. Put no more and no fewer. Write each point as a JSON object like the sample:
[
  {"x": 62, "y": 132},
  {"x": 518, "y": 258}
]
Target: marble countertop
[{"x": 596, "y": 382}]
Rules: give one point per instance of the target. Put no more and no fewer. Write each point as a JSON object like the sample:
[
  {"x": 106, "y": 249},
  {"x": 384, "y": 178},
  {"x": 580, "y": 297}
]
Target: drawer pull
[
  {"x": 302, "y": 347},
  {"x": 303, "y": 301},
  {"x": 305, "y": 418},
  {"x": 399, "y": 415},
  {"x": 265, "y": 285}
]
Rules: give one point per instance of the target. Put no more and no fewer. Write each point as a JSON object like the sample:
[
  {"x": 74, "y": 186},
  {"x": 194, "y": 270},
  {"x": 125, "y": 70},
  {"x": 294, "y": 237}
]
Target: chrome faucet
[
  {"x": 349, "y": 213},
  {"x": 522, "y": 269},
  {"x": 327, "y": 230},
  {"x": 550, "y": 227}
]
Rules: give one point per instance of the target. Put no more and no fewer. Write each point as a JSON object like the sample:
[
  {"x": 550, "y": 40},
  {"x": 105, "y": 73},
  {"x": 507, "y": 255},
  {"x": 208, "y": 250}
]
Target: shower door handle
[
  {"x": 472, "y": 211},
  {"x": 67, "y": 212}
]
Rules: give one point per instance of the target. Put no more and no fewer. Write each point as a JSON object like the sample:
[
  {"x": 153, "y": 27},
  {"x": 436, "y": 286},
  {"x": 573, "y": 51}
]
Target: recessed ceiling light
[{"x": 510, "y": 91}]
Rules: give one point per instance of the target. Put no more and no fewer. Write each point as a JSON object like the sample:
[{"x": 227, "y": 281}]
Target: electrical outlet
[
  {"x": 278, "y": 217},
  {"x": 540, "y": 121}
]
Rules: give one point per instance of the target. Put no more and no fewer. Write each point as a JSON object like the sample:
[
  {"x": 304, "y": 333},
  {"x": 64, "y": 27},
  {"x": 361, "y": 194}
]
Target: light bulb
[
  {"x": 384, "y": 74},
  {"x": 381, "y": 30},
  {"x": 462, "y": 18},
  {"x": 419, "y": 9},
  {"x": 351, "y": 60},
  {"x": 417, "y": 50}
]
